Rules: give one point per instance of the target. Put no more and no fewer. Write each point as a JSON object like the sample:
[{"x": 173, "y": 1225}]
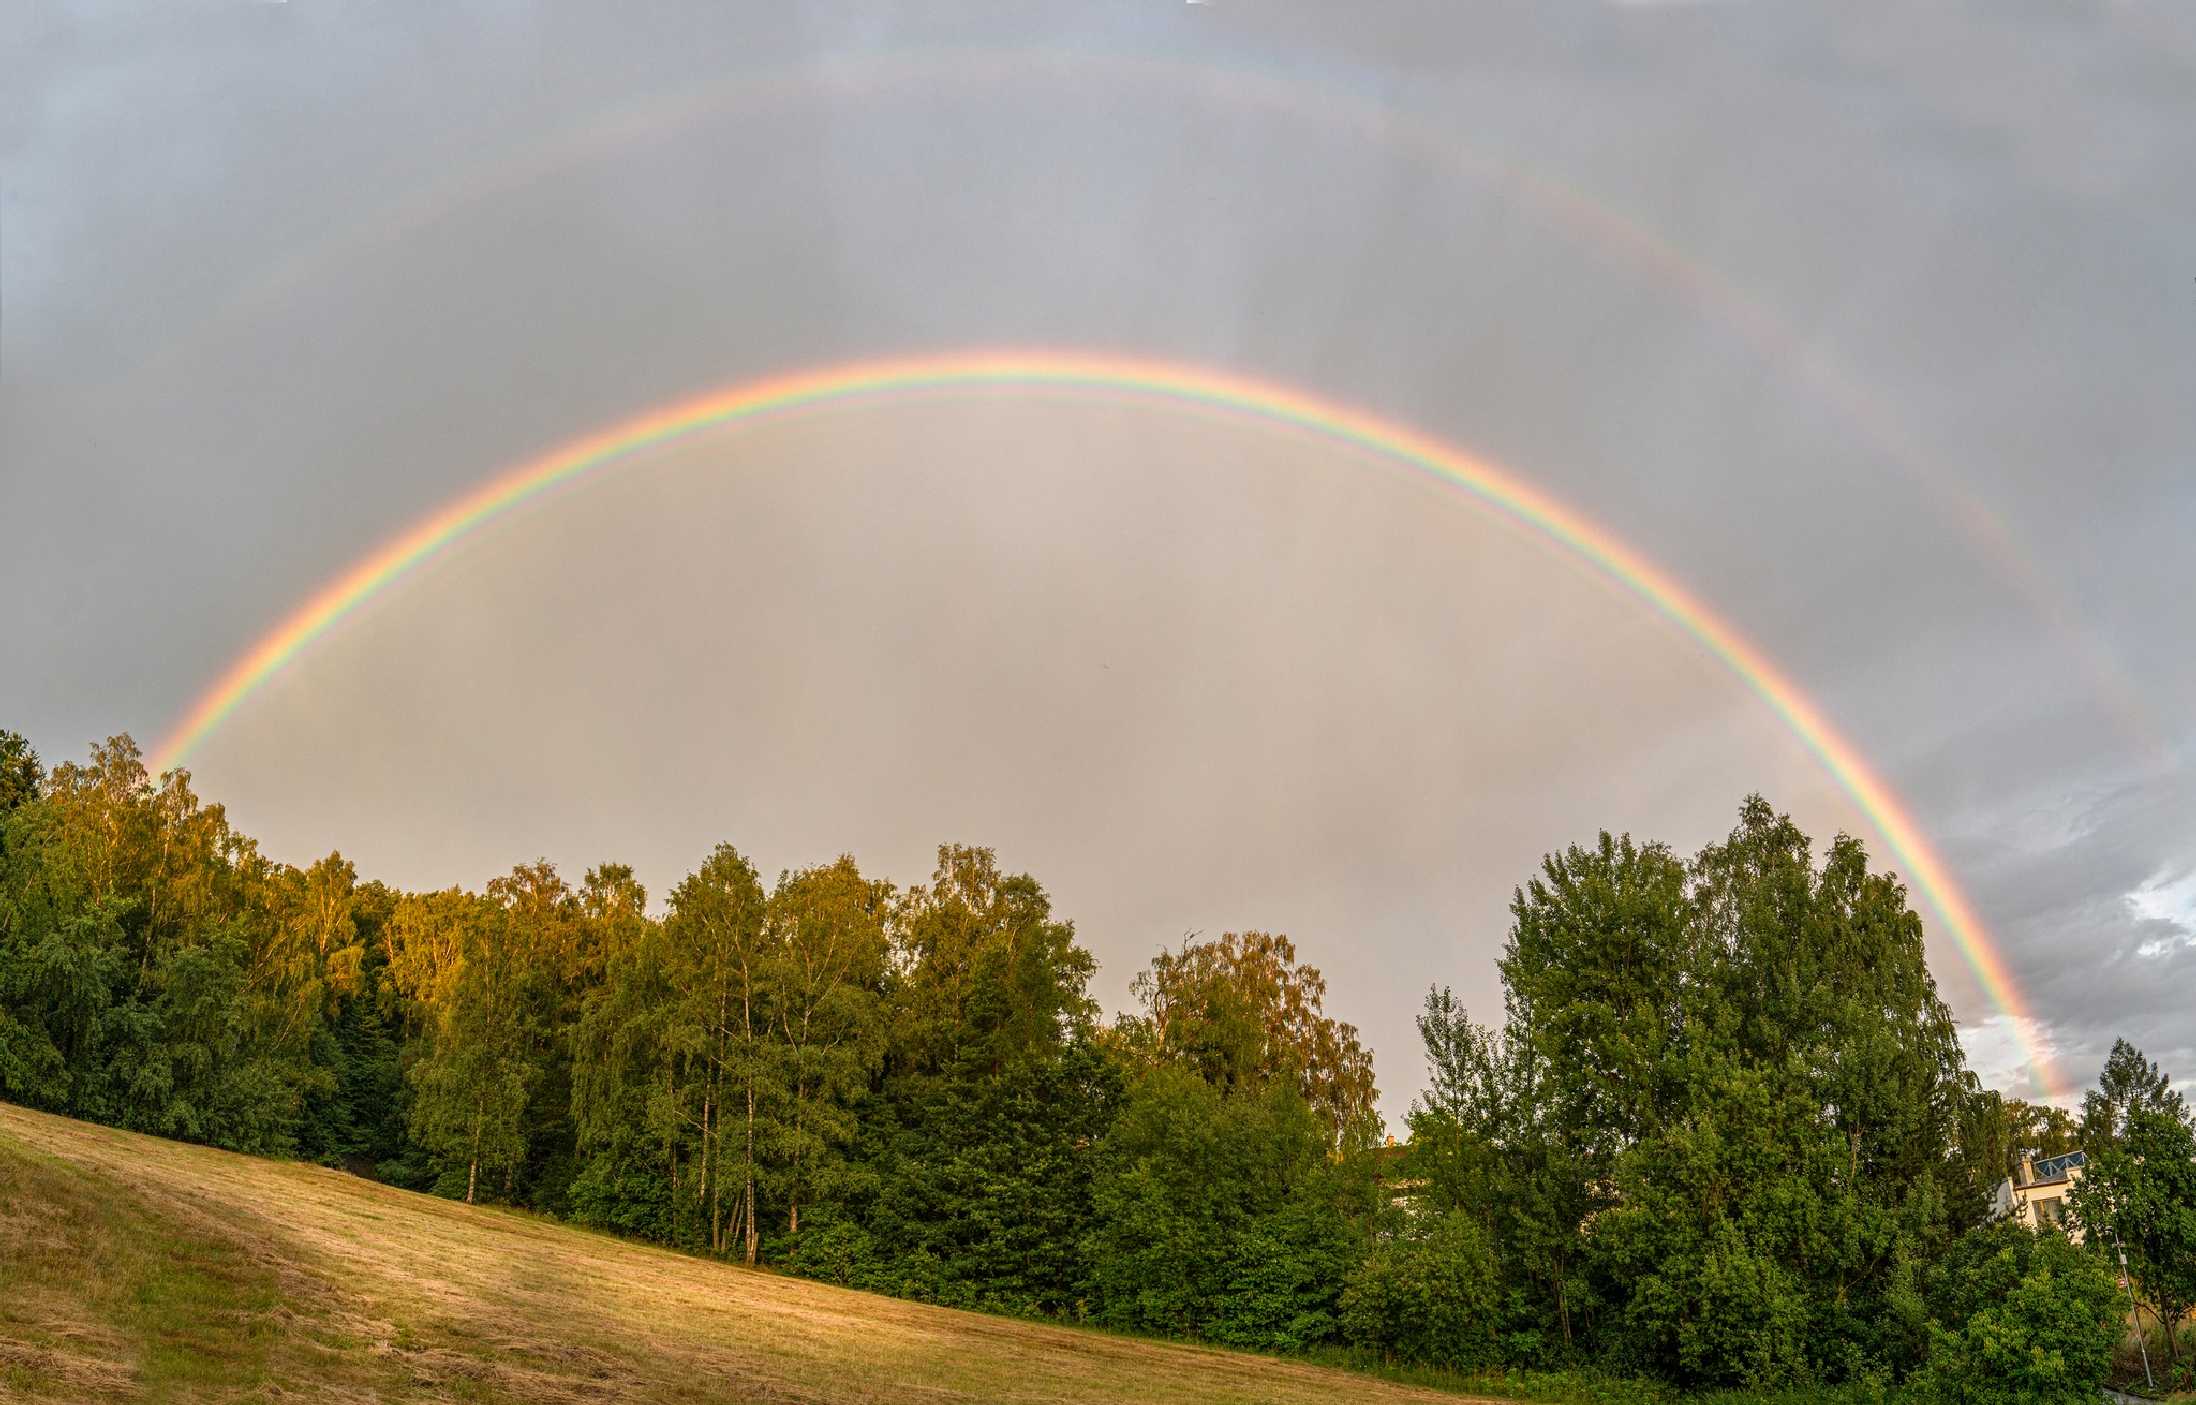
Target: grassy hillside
[{"x": 132, "y": 1268}]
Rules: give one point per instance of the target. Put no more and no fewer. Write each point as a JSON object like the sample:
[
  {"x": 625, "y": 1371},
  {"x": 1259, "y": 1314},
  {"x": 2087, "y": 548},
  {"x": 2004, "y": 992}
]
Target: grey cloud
[{"x": 279, "y": 279}]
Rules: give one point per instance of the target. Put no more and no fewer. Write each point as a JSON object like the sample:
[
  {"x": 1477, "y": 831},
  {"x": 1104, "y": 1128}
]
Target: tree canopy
[{"x": 1721, "y": 1131}]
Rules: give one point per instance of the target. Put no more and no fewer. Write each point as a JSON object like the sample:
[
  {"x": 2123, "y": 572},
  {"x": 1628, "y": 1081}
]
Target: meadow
[{"x": 137, "y": 1268}]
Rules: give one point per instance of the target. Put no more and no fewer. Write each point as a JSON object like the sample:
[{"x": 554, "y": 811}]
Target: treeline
[
  {"x": 1723, "y": 1133},
  {"x": 905, "y": 1090}
]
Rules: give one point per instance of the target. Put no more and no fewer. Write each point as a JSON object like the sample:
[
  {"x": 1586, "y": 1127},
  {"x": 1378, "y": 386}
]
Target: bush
[
  {"x": 2019, "y": 1317},
  {"x": 616, "y": 1193},
  {"x": 1430, "y": 1299},
  {"x": 836, "y": 1251},
  {"x": 1699, "y": 1302},
  {"x": 1285, "y": 1273},
  {"x": 1211, "y": 1216}
]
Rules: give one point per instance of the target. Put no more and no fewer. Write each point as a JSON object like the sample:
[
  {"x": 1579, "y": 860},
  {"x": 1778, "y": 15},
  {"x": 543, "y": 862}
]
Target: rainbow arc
[{"x": 1494, "y": 488}]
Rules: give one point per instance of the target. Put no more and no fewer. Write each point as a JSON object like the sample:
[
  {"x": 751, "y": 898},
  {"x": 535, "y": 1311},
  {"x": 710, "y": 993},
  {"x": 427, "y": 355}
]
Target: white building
[{"x": 2037, "y": 1196}]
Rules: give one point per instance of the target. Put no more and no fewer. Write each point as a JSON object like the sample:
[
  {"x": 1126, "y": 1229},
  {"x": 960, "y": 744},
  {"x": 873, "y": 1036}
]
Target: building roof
[{"x": 2056, "y": 1167}]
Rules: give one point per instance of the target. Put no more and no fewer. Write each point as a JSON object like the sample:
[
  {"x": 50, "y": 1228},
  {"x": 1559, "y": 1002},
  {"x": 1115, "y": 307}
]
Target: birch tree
[
  {"x": 715, "y": 960},
  {"x": 1243, "y": 1012},
  {"x": 457, "y": 961},
  {"x": 826, "y": 935}
]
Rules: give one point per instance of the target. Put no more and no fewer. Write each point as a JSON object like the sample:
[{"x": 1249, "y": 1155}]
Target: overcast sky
[{"x": 1875, "y": 328}]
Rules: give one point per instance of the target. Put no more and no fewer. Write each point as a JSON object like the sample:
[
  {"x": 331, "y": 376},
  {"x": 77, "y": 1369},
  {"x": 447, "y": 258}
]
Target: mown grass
[
  {"x": 133, "y": 1268},
  {"x": 103, "y": 1295},
  {"x": 116, "y": 1290}
]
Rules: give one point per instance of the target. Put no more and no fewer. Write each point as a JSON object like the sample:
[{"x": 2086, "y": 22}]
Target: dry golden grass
[{"x": 133, "y": 1268}]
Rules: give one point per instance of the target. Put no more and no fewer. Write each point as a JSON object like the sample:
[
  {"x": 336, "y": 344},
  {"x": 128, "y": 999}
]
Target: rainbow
[
  {"x": 1619, "y": 238},
  {"x": 1183, "y": 385}
]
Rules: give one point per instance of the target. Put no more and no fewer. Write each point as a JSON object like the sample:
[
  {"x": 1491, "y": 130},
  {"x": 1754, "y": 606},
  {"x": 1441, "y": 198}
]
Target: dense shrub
[
  {"x": 1429, "y": 1298},
  {"x": 1284, "y": 1274},
  {"x": 1208, "y": 1215},
  {"x": 1712, "y": 1310},
  {"x": 2019, "y": 1317},
  {"x": 835, "y": 1250}
]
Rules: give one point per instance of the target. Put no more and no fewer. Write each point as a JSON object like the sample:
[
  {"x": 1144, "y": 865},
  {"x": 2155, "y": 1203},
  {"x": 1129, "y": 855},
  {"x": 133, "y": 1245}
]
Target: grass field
[{"x": 133, "y": 1268}]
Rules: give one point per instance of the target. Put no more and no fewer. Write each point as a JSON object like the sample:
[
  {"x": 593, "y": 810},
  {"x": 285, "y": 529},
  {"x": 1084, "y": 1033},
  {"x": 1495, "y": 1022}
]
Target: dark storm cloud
[{"x": 276, "y": 279}]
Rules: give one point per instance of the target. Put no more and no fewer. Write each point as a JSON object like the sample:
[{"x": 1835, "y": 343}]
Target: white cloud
[
  {"x": 1999, "y": 1051},
  {"x": 2168, "y": 900}
]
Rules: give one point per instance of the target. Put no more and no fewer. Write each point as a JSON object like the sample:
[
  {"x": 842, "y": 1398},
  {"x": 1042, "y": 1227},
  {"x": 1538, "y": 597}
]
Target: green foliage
[
  {"x": 1485, "y": 1141},
  {"x": 1704, "y": 1294},
  {"x": 963, "y": 1170},
  {"x": 131, "y": 985},
  {"x": 1722, "y": 1136},
  {"x": 985, "y": 974},
  {"x": 1283, "y": 1272},
  {"x": 834, "y": 1249},
  {"x": 2129, "y": 1084},
  {"x": 2138, "y": 1196},
  {"x": 1217, "y": 1214},
  {"x": 1243, "y": 1012},
  {"x": 2018, "y": 1317},
  {"x": 198, "y": 1078},
  {"x": 20, "y": 774},
  {"x": 1724, "y": 1119},
  {"x": 984, "y": 1187},
  {"x": 461, "y": 962},
  {"x": 1429, "y": 1297},
  {"x": 825, "y": 1035},
  {"x": 1838, "y": 1039}
]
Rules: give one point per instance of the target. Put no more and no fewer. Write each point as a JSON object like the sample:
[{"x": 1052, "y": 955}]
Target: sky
[{"x": 1873, "y": 327}]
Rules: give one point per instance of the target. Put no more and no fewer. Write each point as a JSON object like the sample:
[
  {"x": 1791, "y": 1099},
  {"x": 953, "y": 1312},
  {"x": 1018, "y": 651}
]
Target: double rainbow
[{"x": 1164, "y": 381}]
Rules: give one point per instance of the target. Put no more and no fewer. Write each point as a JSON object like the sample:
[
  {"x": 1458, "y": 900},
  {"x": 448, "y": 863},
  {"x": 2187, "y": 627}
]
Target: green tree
[
  {"x": 1999, "y": 1132},
  {"x": 615, "y": 905},
  {"x": 1243, "y": 1011},
  {"x": 308, "y": 957},
  {"x": 825, "y": 930},
  {"x": 1488, "y": 1143},
  {"x": 456, "y": 957},
  {"x": 1754, "y": 1087},
  {"x": 985, "y": 973},
  {"x": 2137, "y": 1194},
  {"x": 1599, "y": 962},
  {"x": 717, "y": 963},
  {"x": 355, "y": 1115},
  {"x": 62, "y": 969},
  {"x": 977, "y": 1190},
  {"x": 2130, "y": 1083},
  {"x": 639, "y": 1056},
  {"x": 1213, "y": 1215},
  {"x": 563, "y": 958},
  {"x": 20, "y": 777},
  {"x": 971, "y": 1182},
  {"x": 2042, "y": 1129},
  {"x": 203, "y": 1076},
  {"x": 129, "y": 921}
]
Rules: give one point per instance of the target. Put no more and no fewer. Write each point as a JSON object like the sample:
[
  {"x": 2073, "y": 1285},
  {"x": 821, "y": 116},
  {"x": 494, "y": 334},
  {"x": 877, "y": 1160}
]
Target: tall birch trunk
[
  {"x": 754, "y": 1237},
  {"x": 472, "y": 1172}
]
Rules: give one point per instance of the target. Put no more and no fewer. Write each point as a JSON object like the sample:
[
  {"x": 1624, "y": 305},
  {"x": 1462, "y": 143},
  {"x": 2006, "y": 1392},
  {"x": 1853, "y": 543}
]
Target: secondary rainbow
[
  {"x": 1165, "y": 381},
  {"x": 1618, "y": 237}
]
